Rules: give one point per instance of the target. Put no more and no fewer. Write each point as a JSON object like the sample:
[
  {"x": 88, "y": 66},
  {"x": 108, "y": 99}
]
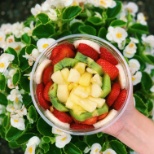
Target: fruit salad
[{"x": 81, "y": 86}]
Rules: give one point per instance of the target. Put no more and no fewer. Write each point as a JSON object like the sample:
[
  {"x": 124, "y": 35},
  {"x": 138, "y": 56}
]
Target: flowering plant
[{"x": 21, "y": 43}]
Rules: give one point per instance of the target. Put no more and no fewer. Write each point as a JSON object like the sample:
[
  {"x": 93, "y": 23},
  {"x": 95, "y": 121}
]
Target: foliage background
[{"x": 12, "y": 11}]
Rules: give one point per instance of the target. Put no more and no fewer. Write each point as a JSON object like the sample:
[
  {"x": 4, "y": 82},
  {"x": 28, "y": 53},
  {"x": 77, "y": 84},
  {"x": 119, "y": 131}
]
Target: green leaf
[
  {"x": 74, "y": 27},
  {"x": 54, "y": 150},
  {"x": 13, "y": 134},
  {"x": 16, "y": 77},
  {"x": 140, "y": 105},
  {"x": 86, "y": 29},
  {"x": 118, "y": 23},
  {"x": 23, "y": 61},
  {"x": 95, "y": 21},
  {"x": 81, "y": 145},
  {"x": 45, "y": 147},
  {"x": 24, "y": 83},
  {"x": 13, "y": 52},
  {"x": 26, "y": 39},
  {"x": 27, "y": 100},
  {"x": 146, "y": 85},
  {"x": 72, "y": 149},
  {"x": 118, "y": 147},
  {"x": 151, "y": 58},
  {"x": 44, "y": 30},
  {"x": 43, "y": 18},
  {"x": 142, "y": 63},
  {"x": 3, "y": 99},
  {"x": 139, "y": 29},
  {"x": 32, "y": 114},
  {"x": 113, "y": 12},
  {"x": 71, "y": 12},
  {"x": 43, "y": 127},
  {"x": 102, "y": 32},
  {"x": 29, "y": 48},
  {"x": 24, "y": 138},
  {"x": 2, "y": 82}
]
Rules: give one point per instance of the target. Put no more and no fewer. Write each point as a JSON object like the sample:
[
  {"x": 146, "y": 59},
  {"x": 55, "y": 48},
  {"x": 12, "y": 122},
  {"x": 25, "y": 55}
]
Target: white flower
[
  {"x": 109, "y": 151},
  {"x": 45, "y": 6},
  {"x": 134, "y": 65},
  {"x": 116, "y": 34},
  {"x": 141, "y": 19},
  {"x": 57, "y": 131},
  {"x": 149, "y": 68},
  {"x": 152, "y": 89},
  {"x": 44, "y": 43},
  {"x": 148, "y": 40},
  {"x": 32, "y": 57},
  {"x": 10, "y": 39},
  {"x": 5, "y": 60},
  {"x": 52, "y": 14},
  {"x": 18, "y": 122},
  {"x": 2, "y": 109},
  {"x": 131, "y": 7},
  {"x": 6, "y": 28},
  {"x": 136, "y": 78},
  {"x": 17, "y": 29},
  {"x": 36, "y": 10},
  {"x": 15, "y": 96},
  {"x": 95, "y": 148},
  {"x": 62, "y": 140},
  {"x": 2, "y": 39},
  {"x": 107, "y": 3},
  {"x": 87, "y": 149},
  {"x": 67, "y": 2},
  {"x": 130, "y": 50},
  {"x": 32, "y": 144}
]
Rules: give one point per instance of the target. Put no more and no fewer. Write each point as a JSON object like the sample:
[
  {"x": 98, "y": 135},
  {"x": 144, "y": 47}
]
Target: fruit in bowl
[{"x": 80, "y": 84}]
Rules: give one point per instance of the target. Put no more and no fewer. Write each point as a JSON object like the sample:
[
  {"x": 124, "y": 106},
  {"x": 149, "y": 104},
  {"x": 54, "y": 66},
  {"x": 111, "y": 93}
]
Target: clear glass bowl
[{"x": 71, "y": 39}]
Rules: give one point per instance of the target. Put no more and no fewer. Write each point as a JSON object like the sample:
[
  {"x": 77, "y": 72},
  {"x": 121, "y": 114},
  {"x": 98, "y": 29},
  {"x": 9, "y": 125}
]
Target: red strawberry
[
  {"x": 102, "y": 116},
  {"x": 120, "y": 100},
  {"x": 77, "y": 126},
  {"x": 105, "y": 54},
  {"x": 46, "y": 77},
  {"x": 62, "y": 116},
  {"x": 89, "y": 121},
  {"x": 46, "y": 91},
  {"x": 115, "y": 90},
  {"x": 62, "y": 51},
  {"x": 39, "y": 93},
  {"x": 88, "y": 51},
  {"x": 108, "y": 68}
]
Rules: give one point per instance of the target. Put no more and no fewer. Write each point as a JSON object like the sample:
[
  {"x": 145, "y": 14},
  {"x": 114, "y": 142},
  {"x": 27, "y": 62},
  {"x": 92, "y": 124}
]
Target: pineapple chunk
[
  {"x": 96, "y": 90},
  {"x": 74, "y": 76},
  {"x": 81, "y": 92},
  {"x": 69, "y": 103},
  {"x": 80, "y": 67},
  {"x": 97, "y": 79},
  {"x": 77, "y": 109},
  {"x": 85, "y": 79},
  {"x": 99, "y": 101},
  {"x": 91, "y": 70},
  {"x": 62, "y": 92},
  {"x": 65, "y": 73},
  {"x": 58, "y": 78},
  {"x": 72, "y": 86}
]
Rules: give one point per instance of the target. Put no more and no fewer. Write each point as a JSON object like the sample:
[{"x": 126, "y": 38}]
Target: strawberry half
[
  {"x": 62, "y": 116},
  {"x": 115, "y": 90},
  {"x": 39, "y": 93},
  {"x": 77, "y": 126},
  {"x": 108, "y": 68},
  {"x": 105, "y": 54},
  {"x": 46, "y": 77},
  {"x": 46, "y": 91},
  {"x": 88, "y": 51},
  {"x": 102, "y": 116},
  {"x": 120, "y": 100},
  {"x": 62, "y": 51}
]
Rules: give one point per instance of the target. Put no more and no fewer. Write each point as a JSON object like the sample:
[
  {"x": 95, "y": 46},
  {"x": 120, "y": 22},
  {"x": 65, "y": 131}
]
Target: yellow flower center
[
  {"x": 16, "y": 120},
  {"x": 17, "y": 48},
  {"x": 1, "y": 38},
  {"x": 10, "y": 40},
  {"x": 131, "y": 45},
  {"x": 119, "y": 35},
  {"x": 45, "y": 45},
  {"x": 64, "y": 138},
  {"x": 30, "y": 149},
  {"x": 2, "y": 65},
  {"x": 16, "y": 100},
  {"x": 102, "y": 2},
  {"x": 133, "y": 78}
]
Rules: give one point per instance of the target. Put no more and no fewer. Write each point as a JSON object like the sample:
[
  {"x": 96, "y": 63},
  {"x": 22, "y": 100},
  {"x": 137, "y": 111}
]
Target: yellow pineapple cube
[
  {"x": 99, "y": 101},
  {"x": 65, "y": 73},
  {"x": 77, "y": 109},
  {"x": 85, "y": 79},
  {"x": 62, "y": 93},
  {"x": 96, "y": 90},
  {"x": 74, "y": 76},
  {"x": 80, "y": 67},
  {"x": 97, "y": 79},
  {"x": 58, "y": 78},
  {"x": 81, "y": 91},
  {"x": 72, "y": 86}
]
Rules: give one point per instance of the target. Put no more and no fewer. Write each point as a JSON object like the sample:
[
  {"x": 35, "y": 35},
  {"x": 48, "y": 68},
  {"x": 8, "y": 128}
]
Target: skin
[{"x": 135, "y": 130}]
